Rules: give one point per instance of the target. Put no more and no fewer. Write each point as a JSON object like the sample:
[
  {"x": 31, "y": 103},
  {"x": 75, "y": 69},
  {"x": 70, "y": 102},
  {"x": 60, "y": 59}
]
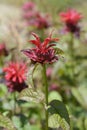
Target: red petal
[
  {"x": 36, "y": 36},
  {"x": 35, "y": 42},
  {"x": 46, "y": 41}
]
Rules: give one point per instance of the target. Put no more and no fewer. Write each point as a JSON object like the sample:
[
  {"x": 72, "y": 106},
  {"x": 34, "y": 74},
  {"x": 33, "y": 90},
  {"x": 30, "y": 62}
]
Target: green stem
[
  {"x": 46, "y": 93},
  {"x": 71, "y": 46},
  {"x": 14, "y": 110},
  {"x": 72, "y": 55}
]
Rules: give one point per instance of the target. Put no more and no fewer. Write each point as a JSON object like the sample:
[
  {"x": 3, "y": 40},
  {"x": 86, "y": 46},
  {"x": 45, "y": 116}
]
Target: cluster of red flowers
[
  {"x": 34, "y": 17},
  {"x": 15, "y": 76},
  {"x": 43, "y": 52},
  {"x": 71, "y": 19}
]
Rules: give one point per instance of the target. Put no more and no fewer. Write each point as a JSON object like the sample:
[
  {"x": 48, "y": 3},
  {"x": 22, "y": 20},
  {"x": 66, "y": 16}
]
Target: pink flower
[
  {"x": 29, "y": 11},
  {"x": 28, "y": 6},
  {"x": 43, "y": 52},
  {"x": 15, "y": 76},
  {"x": 36, "y": 19},
  {"x": 71, "y": 19},
  {"x": 41, "y": 21},
  {"x": 33, "y": 17}
]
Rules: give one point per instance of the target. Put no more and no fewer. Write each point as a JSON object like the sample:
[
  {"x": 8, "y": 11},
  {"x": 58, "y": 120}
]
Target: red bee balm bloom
[
  {"x": 15, "y": 76},
  {"x": 71, "y": 19},
  {"x": 41, "y": 21},
  {"x": 43, "y": 52}
]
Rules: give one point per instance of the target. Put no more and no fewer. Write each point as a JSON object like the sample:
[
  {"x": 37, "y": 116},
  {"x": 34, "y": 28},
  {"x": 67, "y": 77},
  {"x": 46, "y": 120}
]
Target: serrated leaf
[
  {"x": 58, "y": 51},
  {"x": 56, "y": 121},
  {"x": 6, "y": 123},
  {"x": 58, "y": 115},
  {"x": 30, "y": 95}
]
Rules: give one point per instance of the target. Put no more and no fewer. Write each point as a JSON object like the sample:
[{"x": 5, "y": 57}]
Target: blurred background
[{"x": 67, "y": 77}]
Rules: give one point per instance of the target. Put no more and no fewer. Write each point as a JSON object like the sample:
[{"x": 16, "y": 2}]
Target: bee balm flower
[
  {"x": 33, "y": 17},
  {"x": 41, "y": 21},
  {"x": 43, "y": 52},
  {"x": 71, "y": 18},
  {"x": 15, "y": 76}
]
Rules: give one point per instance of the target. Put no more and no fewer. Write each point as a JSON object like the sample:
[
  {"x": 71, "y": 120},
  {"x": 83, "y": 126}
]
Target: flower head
[
  {"x": 41, "y": 21},
  {"x": 28, "y": 6},
  {"x": 43, "y": 52},
  {"x": 29, "y": 11},
  {"x": 15, "y": 76},
  {"x": 71, "y": 19},
  {"x": 33, "y": 17},
  {"x": 71, "y": 16}
]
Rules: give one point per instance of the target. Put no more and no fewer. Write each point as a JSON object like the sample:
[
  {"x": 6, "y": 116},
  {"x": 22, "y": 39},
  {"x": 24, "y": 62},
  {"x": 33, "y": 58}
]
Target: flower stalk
[
  {"x": 71, "y": 45},
  {"x": 46, "y": 93}
]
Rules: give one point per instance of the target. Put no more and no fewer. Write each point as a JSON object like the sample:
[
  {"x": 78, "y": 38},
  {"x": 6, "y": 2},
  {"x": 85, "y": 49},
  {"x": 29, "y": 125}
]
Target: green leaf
[
  {"x": 34, "y": 127},
  {"x": 54, "y": 95},
  {"x": 6, "y": 122},
  {"x": 3, "y": 90},
  {"x": 80, "y": 94},
  {"x": 21, "y": 122},
  {"x": 58, "y": 115},
  {"x": 30, "y": 95},
  {"x": 30, "y": 74},
  {"x": 85, "y": 122},
  {"x": 58, "y": 51}
]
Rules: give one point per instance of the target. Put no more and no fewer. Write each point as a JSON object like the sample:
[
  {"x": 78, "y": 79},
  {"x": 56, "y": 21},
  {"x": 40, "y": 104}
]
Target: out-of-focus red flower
[
  {"x": 71, "y": 16},
  {"x": 29, "y": 11},
  {"x": 71, "y": 19},
  {"x": 33, "y": 17},
  {"x": 3, "y": 50},
  {"x": 36, "y": 20},
  {"x": 15, "y": 76},
  {"x": 28, "y": 6},
  {"x": 43, "y": 52},
  {"x": 41, "y": 21}
]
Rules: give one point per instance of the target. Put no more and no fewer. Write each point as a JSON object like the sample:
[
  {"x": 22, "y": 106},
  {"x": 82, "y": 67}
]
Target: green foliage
[
  {"x": 58, "y": 115},
  {"x": 58, "y": 51},
  {"x": 54, "y": 95},
  {"x": 22, "y": 123},
  {"x": 30, "y": 75},
  {"x": 6, "y": 123},
  {"x": 85, "y": 123},
  {"x": 30, "y": 95},
  {"x": 3, "y": 90},
  {"x": 80, "y": 94}
]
